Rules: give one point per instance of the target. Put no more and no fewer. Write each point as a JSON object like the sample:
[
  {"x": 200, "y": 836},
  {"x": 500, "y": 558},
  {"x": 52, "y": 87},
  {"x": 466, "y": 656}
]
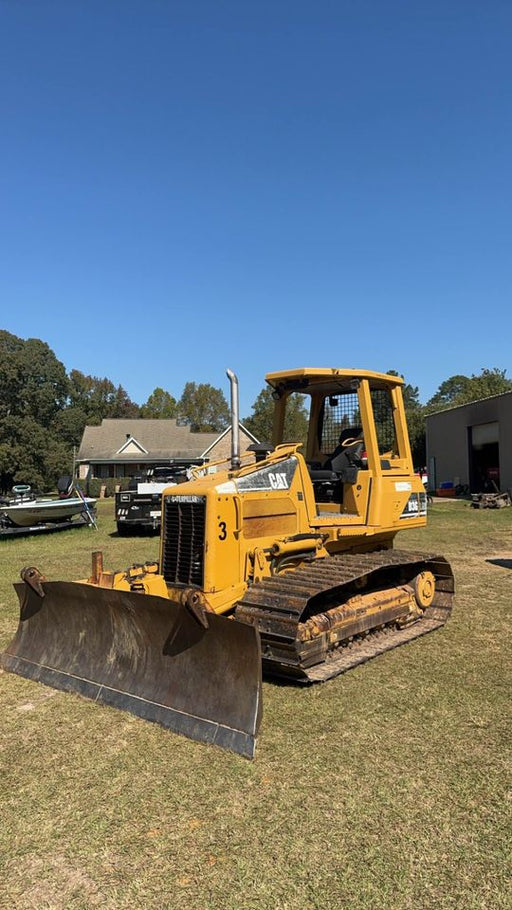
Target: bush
[
  {"x": 110, "y": 484},
  {"x": 94, "y": 486},
  {"x": 91, "y": 487}
]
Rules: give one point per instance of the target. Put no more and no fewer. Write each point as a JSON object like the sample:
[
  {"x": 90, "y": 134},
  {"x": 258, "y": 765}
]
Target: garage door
[{"x": 484, "y": 433}]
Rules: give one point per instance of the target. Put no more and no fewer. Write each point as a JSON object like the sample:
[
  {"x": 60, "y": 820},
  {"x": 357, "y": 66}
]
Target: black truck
[{"x": 139, "y": 508}]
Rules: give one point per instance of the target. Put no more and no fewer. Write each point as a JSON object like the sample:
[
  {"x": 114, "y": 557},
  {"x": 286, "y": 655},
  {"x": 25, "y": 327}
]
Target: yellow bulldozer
[{"x": 279, "y": 561}]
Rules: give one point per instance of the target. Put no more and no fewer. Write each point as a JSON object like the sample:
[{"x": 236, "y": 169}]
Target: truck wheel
[{"x": 122, "y": 530}]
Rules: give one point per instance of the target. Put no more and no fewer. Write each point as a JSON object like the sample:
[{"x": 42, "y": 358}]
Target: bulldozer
[{"x": 278, "y": 562}]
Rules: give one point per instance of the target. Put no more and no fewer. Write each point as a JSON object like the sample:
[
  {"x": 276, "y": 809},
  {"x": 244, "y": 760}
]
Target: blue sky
[{"x": 187, "y": 186}]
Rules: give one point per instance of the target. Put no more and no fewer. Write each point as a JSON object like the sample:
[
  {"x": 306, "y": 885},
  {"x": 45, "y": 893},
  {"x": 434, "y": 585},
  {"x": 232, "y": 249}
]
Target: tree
[
  {"x": 415, "y": 414},
  {"x": 205, "y": 407},
  {"x": 452, "y": 390},
  {"x": 99, "y": 398},
  {"x": 410, "y": 393},
  {"x": 122, "y": 405},
  {"x": 43, "y": 412},
  {"x": 489, "y": 382},
  {"x": 260, "y": 422},
  {"x": 69, "y": 425},
  {"x": 160, "y": 404},
  {"x": 29, "y": 453},
  {"x": 33, "y": 383},
  {"x": 459, "y": 390},
  {"x": 417, "y": 434}
]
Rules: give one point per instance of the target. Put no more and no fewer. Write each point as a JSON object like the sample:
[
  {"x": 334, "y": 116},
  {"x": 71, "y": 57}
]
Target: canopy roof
[{"x": 309, "y": 380}]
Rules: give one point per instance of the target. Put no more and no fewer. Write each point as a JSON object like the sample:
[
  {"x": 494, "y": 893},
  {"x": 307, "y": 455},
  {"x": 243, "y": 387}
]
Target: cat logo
[{"x": 278, "y": 481}]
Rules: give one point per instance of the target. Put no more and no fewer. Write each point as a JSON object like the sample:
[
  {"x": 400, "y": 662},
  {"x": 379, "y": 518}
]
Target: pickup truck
[{"x": 139, "y": 508}]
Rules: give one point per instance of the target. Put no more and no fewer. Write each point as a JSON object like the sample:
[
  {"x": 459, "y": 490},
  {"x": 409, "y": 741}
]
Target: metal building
[{"x": 472, "y": 445}]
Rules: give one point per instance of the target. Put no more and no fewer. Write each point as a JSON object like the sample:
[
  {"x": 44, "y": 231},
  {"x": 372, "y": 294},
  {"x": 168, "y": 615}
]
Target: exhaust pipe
[{"x": 235, "y": 421}]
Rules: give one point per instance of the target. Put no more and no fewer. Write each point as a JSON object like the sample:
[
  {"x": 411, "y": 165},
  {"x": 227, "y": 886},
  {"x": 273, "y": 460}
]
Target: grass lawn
[{"x": 388, "y": 787}]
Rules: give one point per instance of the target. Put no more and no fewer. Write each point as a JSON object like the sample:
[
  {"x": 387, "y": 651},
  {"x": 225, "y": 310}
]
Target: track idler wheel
[{"x": 424, "y": 587}]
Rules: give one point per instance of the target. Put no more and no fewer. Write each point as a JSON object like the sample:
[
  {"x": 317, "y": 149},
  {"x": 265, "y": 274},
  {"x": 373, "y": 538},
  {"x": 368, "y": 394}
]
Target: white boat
[{"x": 26, "y": 510}]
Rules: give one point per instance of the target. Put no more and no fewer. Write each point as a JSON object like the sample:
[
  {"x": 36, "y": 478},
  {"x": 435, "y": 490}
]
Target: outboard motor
[{"x": 65, "y": 486}]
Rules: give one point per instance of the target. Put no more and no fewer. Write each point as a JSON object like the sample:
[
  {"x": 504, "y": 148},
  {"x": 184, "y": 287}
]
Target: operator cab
[
  {"x": 353, "y": 431},
  {"x": 339, "y": 453}
]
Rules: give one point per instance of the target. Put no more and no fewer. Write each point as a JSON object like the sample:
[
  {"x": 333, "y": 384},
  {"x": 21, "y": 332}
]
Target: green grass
[{"x": 388, "y": 787}]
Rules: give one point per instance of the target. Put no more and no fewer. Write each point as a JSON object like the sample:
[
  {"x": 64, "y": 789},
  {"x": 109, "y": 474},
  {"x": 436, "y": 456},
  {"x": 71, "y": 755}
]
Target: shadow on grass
[{"x": 504, "y": 563}]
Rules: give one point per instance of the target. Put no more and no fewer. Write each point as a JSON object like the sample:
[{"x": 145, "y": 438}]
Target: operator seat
[
  {"x": 346, "y": 460},
  {"x": 340, "y": 467}
]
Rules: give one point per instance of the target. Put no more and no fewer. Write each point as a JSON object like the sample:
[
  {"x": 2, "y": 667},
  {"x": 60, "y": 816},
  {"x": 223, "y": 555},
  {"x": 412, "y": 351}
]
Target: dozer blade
[{"x": 144, "y": 654}]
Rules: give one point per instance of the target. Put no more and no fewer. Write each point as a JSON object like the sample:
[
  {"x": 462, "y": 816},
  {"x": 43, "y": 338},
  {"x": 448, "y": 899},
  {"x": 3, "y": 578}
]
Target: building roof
[
  {"x": 468, "y": 404},
  {"x": 140, "y": 439}
]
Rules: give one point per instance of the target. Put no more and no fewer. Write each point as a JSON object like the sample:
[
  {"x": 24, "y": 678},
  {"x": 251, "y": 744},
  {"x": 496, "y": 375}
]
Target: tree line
[{"x": 44, "y": 410}]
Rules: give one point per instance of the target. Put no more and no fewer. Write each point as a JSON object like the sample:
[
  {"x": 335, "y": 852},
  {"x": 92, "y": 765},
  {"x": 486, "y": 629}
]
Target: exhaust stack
[{"x": 235, "y": 421}]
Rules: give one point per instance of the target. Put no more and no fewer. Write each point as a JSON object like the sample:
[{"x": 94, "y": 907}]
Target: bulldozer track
[{"x": 279, "y": 606}]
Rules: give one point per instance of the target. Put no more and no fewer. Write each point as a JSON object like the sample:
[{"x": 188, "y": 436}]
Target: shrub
[{"x": 94, "y": 485}]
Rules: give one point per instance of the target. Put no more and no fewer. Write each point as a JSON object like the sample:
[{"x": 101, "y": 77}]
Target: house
[
  {"x": 471, "y": 445},
  {"x": 126, "y": 447}
]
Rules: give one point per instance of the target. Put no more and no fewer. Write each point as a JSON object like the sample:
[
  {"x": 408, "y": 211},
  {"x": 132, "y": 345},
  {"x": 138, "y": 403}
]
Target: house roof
[
  {"x": 140, "y": 439},
  {"x": 227, "y": 432}
]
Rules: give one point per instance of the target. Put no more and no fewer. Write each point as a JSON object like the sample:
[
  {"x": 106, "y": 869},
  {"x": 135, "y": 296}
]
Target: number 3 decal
[{"x": 223, "y": 532}]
